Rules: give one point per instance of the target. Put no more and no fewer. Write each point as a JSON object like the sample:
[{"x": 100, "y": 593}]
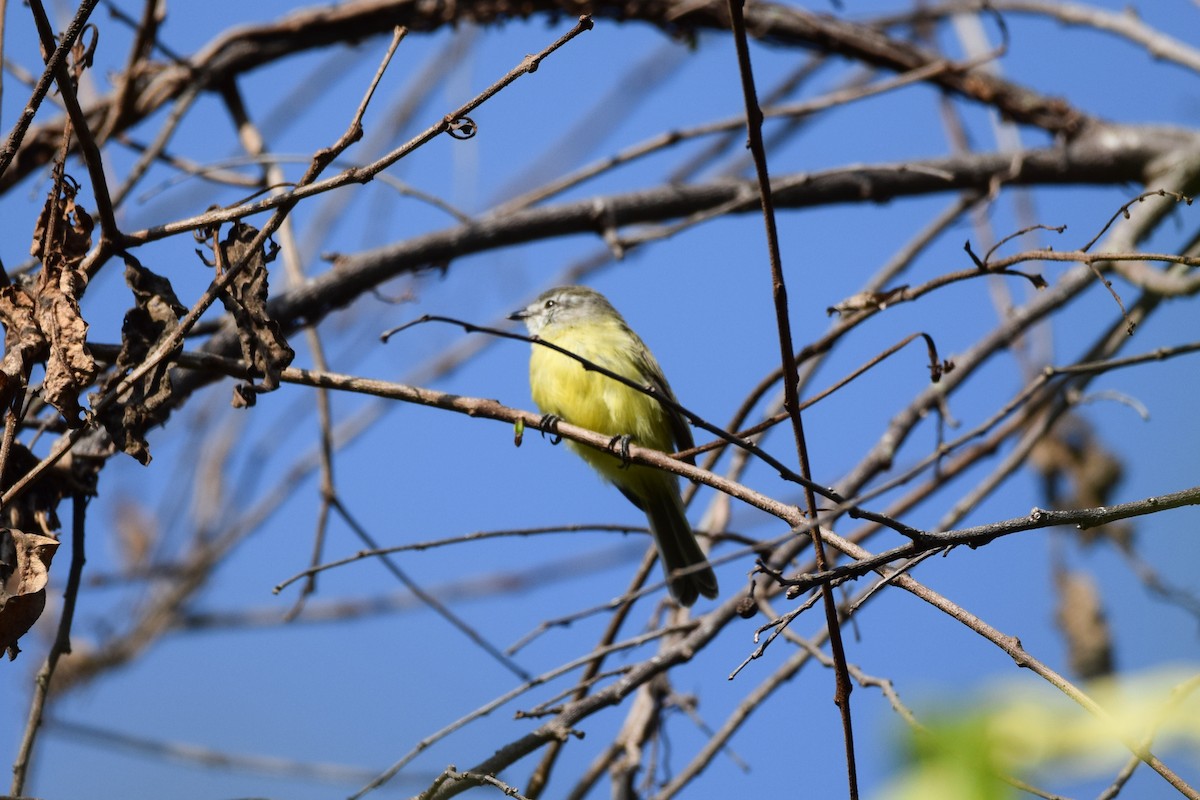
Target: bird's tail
[{"x": 678, "y": 548}]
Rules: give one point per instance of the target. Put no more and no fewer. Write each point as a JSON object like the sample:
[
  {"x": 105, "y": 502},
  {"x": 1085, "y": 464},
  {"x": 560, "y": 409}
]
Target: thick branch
[
  {"x": 245, "y": 48},
  {"x": 1117, "y": 155}
]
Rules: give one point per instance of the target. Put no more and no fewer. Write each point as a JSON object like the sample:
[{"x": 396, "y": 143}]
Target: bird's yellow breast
[{"x": 563, "y": 387}]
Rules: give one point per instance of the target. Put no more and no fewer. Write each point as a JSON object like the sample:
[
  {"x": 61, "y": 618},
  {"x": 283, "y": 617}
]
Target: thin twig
[
  {"x": 194, "y": 755},
  {"x": 470, "y": 537},
  {"x": 791, "y": 402},
  {"x": 58, "y": 56},
  {"x": 541, "y": 774},
  {"x": 508, "y": 696},
  {"x": 92, "y": 158},
  {"x": 61, "y": 647}
]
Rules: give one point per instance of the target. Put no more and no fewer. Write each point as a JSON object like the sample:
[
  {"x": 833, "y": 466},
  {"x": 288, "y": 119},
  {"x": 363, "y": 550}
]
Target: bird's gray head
[{"x": 564, "y": 305}]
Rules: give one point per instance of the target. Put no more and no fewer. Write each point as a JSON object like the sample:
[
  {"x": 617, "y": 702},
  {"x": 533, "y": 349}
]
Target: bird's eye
[{"x": 551, "y": 303}]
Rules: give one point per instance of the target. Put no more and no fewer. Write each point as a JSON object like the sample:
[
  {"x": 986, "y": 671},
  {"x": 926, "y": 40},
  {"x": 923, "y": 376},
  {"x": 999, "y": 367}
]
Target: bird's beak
[{"x": 519, "y": 315}]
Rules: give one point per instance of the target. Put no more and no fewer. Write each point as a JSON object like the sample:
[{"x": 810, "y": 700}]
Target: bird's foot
[
  {"x": 620, "y": 446},
  {"x": 548, "y": 424}
]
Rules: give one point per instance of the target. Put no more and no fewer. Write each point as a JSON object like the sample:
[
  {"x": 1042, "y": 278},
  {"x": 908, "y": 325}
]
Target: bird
[{"x": 583, "y": 321}]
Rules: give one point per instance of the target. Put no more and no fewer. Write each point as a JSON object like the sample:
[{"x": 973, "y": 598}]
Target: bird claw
[
  {"x": 623, "y": 450},
  {"x": 548, "y": 424}
]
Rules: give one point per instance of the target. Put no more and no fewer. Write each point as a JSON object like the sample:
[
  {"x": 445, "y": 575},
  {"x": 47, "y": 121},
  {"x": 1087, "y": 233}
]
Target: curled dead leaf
[
  {"x": 70, "y": 367},
  {"x": 263, "y": 345},
  {"x": 42, "y": 320},
  {"x": 24, "y": 344},
  {"x": 1078, "y": 471},
  {"x": 24, "y": 572},
  {"x": 36, "y": 508},
  {"x": 63, "y": 234},
  {"x": 1084, "y": 625},
  {"x": 154, "y": 317}
]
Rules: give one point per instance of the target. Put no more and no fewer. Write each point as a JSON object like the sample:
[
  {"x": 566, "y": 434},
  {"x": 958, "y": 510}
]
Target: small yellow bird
[{"x": 582, "y": 321}]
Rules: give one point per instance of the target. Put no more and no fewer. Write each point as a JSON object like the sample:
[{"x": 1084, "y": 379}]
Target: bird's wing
[{"x": 681, "y": 431}]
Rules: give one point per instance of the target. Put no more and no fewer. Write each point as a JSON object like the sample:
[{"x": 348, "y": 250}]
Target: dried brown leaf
[
  {"x": 24, "y": 572},
  {"x": 1078, "y": 471},
  {"x": 24, "y": 344},
  {"x": 264, "y": 348},
  {"x": 1084, "y": 625},
  {"x": 63, "y": 234},
  {"x": 154, "y": 317},
  {"x": 70, "y": 367},
  {"x": 42, "y": 321},
  {"x": 36, "y": 508}
]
